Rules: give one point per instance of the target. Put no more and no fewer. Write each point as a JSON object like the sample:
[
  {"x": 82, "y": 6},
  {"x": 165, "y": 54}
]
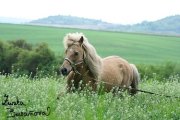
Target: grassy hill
[{"x": 137, "y": 48}]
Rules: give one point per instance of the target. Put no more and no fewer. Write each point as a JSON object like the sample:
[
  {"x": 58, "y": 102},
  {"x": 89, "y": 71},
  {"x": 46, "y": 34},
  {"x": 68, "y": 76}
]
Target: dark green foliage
[
  {"x": 160, "y": 72},
  {"x": 21, "y": 44},
  {"x": 2, "y": 52},
  {"x": 8, "y": 56},
  {"x": 20, "y": 57}
]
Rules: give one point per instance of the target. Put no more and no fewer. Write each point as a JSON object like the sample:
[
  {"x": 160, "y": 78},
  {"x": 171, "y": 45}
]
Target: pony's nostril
[{"x": 64, "y": 71}]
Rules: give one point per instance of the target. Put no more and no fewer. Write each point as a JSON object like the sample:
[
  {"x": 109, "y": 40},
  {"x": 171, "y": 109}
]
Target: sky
[{"x": 113, "y": 11}]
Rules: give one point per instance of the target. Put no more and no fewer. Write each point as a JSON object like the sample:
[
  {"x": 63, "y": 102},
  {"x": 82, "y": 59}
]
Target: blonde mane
[{"x": 92, "y": 59}]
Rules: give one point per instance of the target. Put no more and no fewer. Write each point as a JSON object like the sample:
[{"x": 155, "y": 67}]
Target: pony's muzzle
[{"x": 64, "y": 71}]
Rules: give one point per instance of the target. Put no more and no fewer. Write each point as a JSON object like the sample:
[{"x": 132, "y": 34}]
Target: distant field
[{"x": 137, "y": 48}]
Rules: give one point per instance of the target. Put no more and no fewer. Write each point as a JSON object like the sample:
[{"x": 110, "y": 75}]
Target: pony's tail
[{"x": 136, "y": 79}]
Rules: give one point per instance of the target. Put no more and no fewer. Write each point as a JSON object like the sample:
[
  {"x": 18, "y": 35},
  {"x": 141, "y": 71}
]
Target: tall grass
[{"x": 40, "y": 93}]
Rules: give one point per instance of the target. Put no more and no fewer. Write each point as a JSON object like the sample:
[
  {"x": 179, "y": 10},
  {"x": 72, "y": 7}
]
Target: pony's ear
[{"x": 81, "y": 40}]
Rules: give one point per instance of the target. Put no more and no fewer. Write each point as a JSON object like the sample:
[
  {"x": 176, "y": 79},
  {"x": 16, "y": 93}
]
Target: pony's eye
[{"x": 76, "y": 53}]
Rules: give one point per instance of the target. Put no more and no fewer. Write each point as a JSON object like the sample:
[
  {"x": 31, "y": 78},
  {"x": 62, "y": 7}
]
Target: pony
[{"x": 82, "y": 66}]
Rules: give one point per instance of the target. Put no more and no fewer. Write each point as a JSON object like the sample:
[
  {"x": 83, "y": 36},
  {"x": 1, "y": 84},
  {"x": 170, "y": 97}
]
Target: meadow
[
  {"x": 28, "y": 98},
  {"x": 39, "y": 95},
  {"x": 136, "y": 48}
]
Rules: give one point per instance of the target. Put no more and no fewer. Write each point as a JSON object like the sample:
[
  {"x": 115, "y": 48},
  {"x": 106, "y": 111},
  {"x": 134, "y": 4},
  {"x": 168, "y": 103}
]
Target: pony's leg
[{"x": 68, "y": 86}]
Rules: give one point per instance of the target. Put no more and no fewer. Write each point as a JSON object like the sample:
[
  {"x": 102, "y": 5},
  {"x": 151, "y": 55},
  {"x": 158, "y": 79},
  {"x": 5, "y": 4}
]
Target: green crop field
[{"x": 136, "y": 48}]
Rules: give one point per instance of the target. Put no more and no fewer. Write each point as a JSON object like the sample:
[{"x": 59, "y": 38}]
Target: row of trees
[{"x": 24, "y": 58}]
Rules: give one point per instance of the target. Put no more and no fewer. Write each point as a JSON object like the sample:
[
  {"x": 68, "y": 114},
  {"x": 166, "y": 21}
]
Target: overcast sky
[{"x": 115, "y": 11}]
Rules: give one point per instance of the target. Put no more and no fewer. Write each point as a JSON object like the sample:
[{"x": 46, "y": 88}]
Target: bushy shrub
[
  {"x": 21, "y": 44},
  {"x": 22, "y": 58},
  {"x": 41, "y": 59},
  {"x": 8, "y": 56},
  {"x": 2, "y": 53},
  {"x": 159, "y": 72}
]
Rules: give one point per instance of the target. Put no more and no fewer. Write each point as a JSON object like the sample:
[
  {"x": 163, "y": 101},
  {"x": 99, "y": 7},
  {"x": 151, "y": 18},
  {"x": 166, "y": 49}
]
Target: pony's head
[
  {"x": 74, "y": 54},
  {"x": 77, "y": 51}
]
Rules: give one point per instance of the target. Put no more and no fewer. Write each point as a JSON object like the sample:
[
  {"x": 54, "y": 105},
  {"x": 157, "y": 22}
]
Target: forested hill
[
  {"x": 68, "y": 20},
  {"x": 168, "y": 25},
  {"x": 72, "y": 21}
]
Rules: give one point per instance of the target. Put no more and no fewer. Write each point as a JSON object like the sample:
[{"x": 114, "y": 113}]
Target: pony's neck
[
  {"x": 93, "y": 60},
  {"x": 94, "y": 66}
]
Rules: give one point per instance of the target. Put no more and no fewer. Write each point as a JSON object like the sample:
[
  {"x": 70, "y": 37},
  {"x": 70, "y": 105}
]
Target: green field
[
  {"x": 136, "y": 48},
  {"x": 35, "y": 98}
]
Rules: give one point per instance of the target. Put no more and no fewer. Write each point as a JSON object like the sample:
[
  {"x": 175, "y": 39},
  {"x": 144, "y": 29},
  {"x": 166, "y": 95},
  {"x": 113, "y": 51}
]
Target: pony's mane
[{"x": 92, "y": 59}]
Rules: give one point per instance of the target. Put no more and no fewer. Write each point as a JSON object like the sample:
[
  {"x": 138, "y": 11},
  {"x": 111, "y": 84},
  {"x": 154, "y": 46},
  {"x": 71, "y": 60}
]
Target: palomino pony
[{"x": 83, "y": 66}]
